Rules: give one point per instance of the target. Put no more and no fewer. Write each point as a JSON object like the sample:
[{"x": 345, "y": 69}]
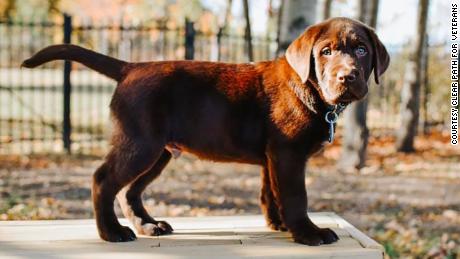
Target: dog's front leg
[{"x": 287, "y": 176}]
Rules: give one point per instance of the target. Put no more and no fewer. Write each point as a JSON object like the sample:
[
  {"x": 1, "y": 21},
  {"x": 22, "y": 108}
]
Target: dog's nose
[{"x": 350, "y": 77}]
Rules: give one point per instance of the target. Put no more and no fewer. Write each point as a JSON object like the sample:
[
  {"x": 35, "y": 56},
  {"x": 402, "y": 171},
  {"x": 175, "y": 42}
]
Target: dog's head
[{"x": 339, "y": 54}]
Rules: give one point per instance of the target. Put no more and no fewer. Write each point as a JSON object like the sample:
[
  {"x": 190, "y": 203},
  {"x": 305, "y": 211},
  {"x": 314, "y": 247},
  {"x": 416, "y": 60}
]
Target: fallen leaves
[{"x": 410, "y": 203}]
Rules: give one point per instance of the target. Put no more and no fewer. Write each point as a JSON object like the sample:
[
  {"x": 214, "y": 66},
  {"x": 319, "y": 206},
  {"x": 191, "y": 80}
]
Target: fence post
[
  {"x": 189, "y": 40},
  {"x": 67, "y": 87}
]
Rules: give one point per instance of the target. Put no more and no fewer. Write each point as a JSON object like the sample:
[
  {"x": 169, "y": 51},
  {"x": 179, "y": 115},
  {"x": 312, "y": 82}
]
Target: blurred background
[{"x": 392, "y": 172}]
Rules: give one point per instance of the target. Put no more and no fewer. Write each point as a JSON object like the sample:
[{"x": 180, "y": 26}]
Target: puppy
[{"x": 270, "y": 113}]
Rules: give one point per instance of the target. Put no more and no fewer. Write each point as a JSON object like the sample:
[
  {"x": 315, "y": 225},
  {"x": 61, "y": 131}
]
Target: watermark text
[{"x": 454, "y": 76}]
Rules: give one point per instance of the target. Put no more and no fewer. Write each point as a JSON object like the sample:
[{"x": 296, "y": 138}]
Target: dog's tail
[{"x": 103, "y": 64}]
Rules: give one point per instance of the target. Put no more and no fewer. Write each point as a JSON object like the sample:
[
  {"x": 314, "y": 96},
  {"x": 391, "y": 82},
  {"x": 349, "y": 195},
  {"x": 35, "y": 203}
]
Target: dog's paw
[
  {"x": 276, "y": 225},
  {"x": 316, "y": 237},
  {"x": 121, "y": 234},
  {"x": 157, "y": 228},
  {"x": 328, "y": 235}
]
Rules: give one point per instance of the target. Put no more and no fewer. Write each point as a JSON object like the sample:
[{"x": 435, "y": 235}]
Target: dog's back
[{"x": 210, "y": 109}]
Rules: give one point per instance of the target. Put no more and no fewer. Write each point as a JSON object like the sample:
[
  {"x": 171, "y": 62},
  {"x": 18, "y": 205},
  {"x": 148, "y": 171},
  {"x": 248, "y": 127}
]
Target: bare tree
[
  {"x": 223, "y": 29},
  {"x": 356, "y": 133},
  {"x": 425, "y": 85},
  {"x": 228, "y": 13},
  {"x": 248, "y": 34},
  {"x": 278, "y": 26},
  {"x": 410, "y": 95},
  {"x": 271, "y": 17},
  {"x": 295, "y": 16},
  {"x": 53, "y": 6},
  {"x": 9, "y": 8},
  {"x": 327, "y": 9}
]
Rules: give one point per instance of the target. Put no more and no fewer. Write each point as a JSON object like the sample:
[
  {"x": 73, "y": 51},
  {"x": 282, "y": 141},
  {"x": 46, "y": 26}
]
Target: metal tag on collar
[
  {"x": 339, "y": 108},
  {"x": 331, "y": 118}
]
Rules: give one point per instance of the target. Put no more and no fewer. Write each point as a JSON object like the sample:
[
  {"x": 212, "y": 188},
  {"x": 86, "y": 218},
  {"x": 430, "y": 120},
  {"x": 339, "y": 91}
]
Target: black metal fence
[{"x": 63, "y": 106}]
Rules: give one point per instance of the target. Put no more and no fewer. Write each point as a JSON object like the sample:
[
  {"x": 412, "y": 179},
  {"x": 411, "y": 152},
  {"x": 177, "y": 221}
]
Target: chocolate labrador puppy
[{"x": 270, "y": 113}]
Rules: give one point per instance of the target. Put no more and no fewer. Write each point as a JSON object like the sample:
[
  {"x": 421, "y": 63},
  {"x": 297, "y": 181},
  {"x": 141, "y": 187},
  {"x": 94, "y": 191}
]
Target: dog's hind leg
[
  {"x": 130, "y": 199},
  {"x": 129, "y": 158},
  {"x": 268, "y": 204}
]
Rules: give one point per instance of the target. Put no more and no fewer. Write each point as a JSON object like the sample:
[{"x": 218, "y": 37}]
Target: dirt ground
[{"x": 409, "y": 203}]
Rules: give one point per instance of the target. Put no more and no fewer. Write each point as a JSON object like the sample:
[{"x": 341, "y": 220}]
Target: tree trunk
[
  {"x": 248, "y": 34},
  {"x": 327, "y": 9},
  {"x": 295, "y": 17},
  {"x": 356, "y": 133},
  {"x": 228, "y": 13},
  {"x": 10, "y": 8},
  {"x": 425, "y": 85},
  {"x": 363, "y": 9},
  {"x": 271, "y": 28},
  {"x": 278, "y": 26},
  {"x": 270, "y": 20},
  {"x": 410, "y": 95},
  {"x": 223, "y": 29}
]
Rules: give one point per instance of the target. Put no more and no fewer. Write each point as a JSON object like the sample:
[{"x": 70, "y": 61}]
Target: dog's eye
[
  {"x": 326, "y": 51},
  {"x": 361, "y": 51}
]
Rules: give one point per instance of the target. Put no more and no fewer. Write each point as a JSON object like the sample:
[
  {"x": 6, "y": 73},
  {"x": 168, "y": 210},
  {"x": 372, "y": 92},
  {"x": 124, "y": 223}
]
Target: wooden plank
[
  {"x": 203, "y": 237},
  {"x": 365, "y": 241}
]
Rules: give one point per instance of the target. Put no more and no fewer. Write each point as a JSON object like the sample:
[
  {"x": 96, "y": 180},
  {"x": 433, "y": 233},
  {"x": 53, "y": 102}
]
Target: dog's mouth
[
  {"x": 347, "y": 94},
  {"x": 347, "y": 97},
  {"x": 335, "y": 98}
]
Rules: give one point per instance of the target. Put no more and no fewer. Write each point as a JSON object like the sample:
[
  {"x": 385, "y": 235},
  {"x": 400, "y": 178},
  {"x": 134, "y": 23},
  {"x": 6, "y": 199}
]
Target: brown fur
[{"x": 269, "y": 113}]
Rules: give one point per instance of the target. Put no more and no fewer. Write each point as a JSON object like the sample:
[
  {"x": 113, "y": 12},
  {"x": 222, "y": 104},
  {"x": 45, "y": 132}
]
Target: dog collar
[{"x": 332, "y": 116}]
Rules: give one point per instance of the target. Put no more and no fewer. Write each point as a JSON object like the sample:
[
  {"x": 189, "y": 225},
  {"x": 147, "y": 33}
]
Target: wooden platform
[{"x": 205, "y": 237}]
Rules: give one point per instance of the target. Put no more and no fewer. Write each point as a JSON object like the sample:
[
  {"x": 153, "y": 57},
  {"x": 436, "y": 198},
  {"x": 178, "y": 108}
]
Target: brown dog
[{"x": 270, "y": 113}]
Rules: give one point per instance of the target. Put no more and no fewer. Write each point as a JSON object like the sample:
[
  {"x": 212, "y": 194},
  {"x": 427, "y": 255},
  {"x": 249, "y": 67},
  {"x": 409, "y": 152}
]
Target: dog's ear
[
  {"x": 299, "y": 53},
  {"x": 380, "y": 58}
]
